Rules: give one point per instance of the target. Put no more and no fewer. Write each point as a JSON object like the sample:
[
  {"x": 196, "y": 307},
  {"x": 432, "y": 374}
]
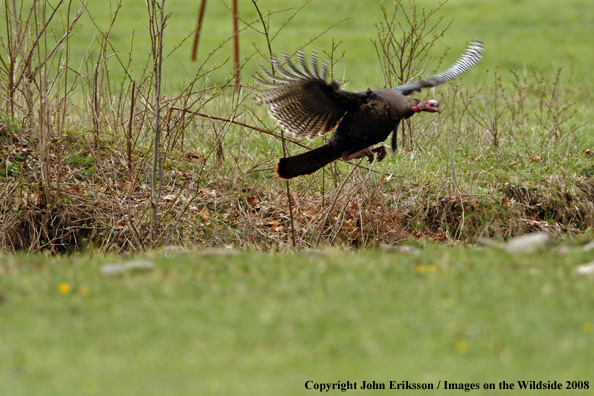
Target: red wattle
[{"x": 416, "y": 109}]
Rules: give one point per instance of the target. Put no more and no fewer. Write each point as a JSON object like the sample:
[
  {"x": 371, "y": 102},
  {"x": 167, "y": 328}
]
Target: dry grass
[{"x": 115, "y": 215}]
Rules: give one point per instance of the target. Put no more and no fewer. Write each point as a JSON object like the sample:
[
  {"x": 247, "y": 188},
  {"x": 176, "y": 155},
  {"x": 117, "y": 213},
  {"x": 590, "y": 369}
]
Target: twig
[
  {"x": 198, "y": 30},
  {"x": 236, "y": 44},
  {"x": 129, "y": 132},
  {"x": 282, "y": 136},
  {"x": 334, "y": 202},
  {"x": 128, "y": 218},
  {"x": 156, "y": 34},
  {"x": 237, "y": 123}
]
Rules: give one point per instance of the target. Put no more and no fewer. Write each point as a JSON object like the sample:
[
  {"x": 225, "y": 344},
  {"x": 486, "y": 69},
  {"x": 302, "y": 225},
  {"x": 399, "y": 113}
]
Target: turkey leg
[{"x": 381, "y": 153}]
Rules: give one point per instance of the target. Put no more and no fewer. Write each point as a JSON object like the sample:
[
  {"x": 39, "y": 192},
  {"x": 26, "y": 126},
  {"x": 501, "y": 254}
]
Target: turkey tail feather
[{"x": 305, "y": 163}]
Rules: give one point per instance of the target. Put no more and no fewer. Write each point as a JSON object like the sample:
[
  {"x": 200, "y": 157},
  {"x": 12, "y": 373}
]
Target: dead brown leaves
[{"x": 112, "y": 211}]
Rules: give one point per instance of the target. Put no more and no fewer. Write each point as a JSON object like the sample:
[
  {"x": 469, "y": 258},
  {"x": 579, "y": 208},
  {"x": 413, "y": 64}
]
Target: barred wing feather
[
  {"x": 299, "y": 98},
  {"x": 471, "y": 56}
]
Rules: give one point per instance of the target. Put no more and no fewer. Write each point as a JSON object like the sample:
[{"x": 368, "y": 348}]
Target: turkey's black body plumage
[
  {"x": 303, "y": 103},
  {"x": 372, "y": 121}
]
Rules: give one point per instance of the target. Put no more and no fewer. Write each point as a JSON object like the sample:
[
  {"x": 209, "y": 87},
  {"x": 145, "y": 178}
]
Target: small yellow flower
[
  {"x": 432, "y": 268},
  {"x": 64, "y": 288},
  {"x": 420, "y": 268},
  {"x": 462, "y": 347},
  {"x": 587, "y": 327}
]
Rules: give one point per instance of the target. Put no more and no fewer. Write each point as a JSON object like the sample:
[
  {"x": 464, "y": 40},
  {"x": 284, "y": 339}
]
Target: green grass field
[
  {"x": 539, "y": 35},
  {"x": 253, "y": 324},
  {"x": 511, "y": 153}
]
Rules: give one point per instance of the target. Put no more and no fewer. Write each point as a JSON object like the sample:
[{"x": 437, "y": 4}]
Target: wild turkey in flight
[{"x": 304, "y": 104}]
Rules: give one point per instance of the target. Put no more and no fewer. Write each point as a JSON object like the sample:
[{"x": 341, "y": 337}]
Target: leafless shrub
[{"x": 405, "y": 36}]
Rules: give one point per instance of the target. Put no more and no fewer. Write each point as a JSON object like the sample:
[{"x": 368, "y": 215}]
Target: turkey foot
[{"x": 381, "y": 153}]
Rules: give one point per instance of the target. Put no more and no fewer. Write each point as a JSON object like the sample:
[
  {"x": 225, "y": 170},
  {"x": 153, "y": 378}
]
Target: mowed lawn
[
  {"x": 530, "y": 35},
  {"x": 263, "y": 324}
]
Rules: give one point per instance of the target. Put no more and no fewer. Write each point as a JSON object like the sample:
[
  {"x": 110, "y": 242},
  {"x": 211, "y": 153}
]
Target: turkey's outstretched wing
[
  {"x": 467, "y": 61},
  {"x": 299, "y": 99}
]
